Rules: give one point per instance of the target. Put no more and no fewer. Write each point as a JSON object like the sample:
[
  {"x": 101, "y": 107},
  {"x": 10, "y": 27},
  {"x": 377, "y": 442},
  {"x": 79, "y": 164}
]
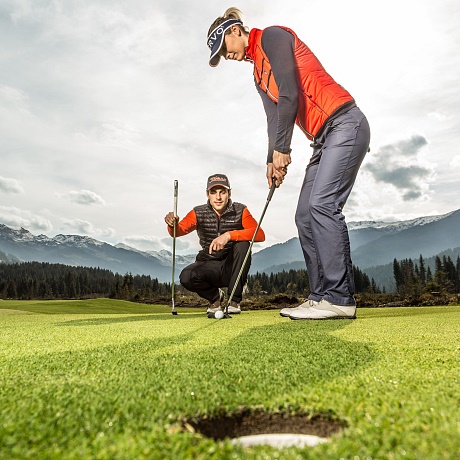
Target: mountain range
[
  {"x": 373, "y": 244},
  {"x": 19, "y": 245}
]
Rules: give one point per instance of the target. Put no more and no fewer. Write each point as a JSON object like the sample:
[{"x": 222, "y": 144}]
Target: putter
[
  {"x": 176, "y": 192},
  {"x": 270, "y": 194}
]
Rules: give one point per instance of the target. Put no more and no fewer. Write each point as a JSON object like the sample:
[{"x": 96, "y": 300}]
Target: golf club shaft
[
  {"x": 270, "y": 194},
  {"x": 176, "y": 193}
]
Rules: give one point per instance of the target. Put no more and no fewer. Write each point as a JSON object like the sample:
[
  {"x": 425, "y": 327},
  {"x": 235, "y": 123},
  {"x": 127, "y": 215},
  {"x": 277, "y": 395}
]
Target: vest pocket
[{"x": 310, "y": 116}]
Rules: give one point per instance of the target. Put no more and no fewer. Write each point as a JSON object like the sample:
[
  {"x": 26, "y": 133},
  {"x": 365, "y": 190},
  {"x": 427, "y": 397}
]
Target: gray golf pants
[{"x": 323, "y": 233}]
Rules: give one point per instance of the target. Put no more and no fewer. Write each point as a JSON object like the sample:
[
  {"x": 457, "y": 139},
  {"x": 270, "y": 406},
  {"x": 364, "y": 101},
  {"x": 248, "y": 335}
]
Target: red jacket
[{"x": 318, "y": 94}]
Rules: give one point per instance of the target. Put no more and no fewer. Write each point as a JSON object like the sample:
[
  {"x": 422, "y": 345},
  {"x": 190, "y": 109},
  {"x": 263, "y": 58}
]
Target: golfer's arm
[
  {"x": 271, "y": 111},
  {"x": 249, "y": 227},
  {"x": 185, "y": 226},
  {"x": 278, "y": 44}
]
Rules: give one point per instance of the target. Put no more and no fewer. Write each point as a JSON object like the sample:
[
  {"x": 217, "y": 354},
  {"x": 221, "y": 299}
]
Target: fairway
[{"x": 110, "y": 379}]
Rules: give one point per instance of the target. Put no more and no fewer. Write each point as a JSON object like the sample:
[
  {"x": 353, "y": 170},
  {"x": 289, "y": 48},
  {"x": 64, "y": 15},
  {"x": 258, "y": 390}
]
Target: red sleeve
[
  {"x": 249, "y": 227},
  {"x": 184, "y": 226}
]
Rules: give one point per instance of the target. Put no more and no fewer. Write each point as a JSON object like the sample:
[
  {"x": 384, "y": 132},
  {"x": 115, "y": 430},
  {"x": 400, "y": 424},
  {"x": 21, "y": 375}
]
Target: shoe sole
[{"x": 322, "y": 319}]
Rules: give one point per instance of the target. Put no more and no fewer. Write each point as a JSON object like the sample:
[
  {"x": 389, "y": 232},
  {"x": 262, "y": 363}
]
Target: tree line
[
  {"x": 295, "y": 282},
  {"x": 41, "y": 280},
  {"x": 413, "y": 278}
]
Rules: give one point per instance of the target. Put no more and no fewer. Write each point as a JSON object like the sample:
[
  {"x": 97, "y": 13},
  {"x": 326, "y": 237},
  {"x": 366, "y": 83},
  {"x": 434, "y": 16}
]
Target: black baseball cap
[{"x": 218, "y": 179}]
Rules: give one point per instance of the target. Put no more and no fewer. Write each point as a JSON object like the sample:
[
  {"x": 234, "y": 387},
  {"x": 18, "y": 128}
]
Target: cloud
[
  {"x": 8, "y": 185},
  {"x": 455, "y": 162},
  {"x": 16, "y": 217},
  {"x": 10, "y": 95},
  {"x": 83, "y": 227},
  {"x": 400, "y": 165},
  {"x": 404, "y": 148},
  {"x": 402, "y": 177},
  {"x": 84, "y": 197}
]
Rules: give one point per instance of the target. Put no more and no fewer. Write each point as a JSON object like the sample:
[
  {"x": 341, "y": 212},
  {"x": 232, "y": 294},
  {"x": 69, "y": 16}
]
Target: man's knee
[{"x": 185, "y": 278}]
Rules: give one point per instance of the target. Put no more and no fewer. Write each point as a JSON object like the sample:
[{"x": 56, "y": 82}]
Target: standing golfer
[
  {"x": 225, "y": 229},
  {"x": 295, "y": 89}
]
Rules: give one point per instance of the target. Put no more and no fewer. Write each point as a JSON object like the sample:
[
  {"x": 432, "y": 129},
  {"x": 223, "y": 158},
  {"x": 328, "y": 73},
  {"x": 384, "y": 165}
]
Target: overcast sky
[{"x": 104, "y": 103}]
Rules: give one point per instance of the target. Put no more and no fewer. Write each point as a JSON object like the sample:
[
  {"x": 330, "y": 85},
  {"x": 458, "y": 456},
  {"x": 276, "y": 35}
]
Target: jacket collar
[{"x": 249, "y": 51}]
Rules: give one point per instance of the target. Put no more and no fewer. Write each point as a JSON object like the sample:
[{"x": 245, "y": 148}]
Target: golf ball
[{"x": 219, "y": 314}]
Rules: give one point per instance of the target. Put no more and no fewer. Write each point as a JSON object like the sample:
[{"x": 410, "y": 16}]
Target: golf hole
[{"x": 279, "y": 430}]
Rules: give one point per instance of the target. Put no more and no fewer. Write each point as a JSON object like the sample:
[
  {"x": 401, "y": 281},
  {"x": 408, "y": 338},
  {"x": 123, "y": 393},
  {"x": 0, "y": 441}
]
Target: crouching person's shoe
[
  {"x": 214, "y": 307},
  {"x": 288, "y": 311},
  {"x": 234, "y": 308},
  {"x": 217, "y": 304},
  {"x": 325, "y": 310}
]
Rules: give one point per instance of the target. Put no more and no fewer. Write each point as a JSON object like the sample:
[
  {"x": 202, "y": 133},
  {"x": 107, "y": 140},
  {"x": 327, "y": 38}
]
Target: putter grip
[{"x": 272, "y": 189}]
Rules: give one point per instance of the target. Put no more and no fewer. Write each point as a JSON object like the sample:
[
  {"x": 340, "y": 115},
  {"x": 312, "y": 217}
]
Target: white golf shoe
[
  {"x": 286, "y": 312},
  {"x": 325, "y": 310},
  {"x": 217, "y": 305},
  {"x": 234, "y": 308}
]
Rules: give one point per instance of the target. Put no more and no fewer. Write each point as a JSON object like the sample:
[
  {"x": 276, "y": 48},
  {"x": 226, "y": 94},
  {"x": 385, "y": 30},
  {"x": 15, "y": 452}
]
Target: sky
[{"x": 104, "y": 103}]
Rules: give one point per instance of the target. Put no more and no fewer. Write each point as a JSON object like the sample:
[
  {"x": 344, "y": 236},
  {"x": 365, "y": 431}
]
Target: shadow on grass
[{"x": 127, "y": 319}]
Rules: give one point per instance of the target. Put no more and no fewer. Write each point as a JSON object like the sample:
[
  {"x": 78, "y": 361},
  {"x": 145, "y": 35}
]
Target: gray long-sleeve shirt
[{"x": 278, "y": 45}]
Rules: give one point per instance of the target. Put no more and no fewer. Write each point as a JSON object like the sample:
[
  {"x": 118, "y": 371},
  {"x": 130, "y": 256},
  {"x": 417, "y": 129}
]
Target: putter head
[{"x": 174, "y": 312}]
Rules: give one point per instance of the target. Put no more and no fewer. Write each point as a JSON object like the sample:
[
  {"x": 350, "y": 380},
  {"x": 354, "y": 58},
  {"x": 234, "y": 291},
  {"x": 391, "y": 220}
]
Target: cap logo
[
  {"x": 217, "y": 178},
  {"x": 212, "y": 38},
  {"x": 219, "y": 31}
]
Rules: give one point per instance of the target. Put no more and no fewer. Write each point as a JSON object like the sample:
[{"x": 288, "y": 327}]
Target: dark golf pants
[
  {"x": 329, "y": 179},
  {"x": 206, "y": 277}
]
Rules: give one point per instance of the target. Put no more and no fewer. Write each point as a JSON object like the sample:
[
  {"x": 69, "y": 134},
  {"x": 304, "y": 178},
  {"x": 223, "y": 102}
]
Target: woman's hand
[
  {"x": 219, "y": 242},
  {"x": 281, "y": 160},
  {"x": 169, "y": 219},
  {"x": 278, "y": 169},
  {"x": 273, "y": 173}
]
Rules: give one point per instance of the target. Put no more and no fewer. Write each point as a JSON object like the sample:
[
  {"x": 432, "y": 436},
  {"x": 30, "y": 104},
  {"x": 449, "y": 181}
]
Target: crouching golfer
[{"x": 225, "y": 229}]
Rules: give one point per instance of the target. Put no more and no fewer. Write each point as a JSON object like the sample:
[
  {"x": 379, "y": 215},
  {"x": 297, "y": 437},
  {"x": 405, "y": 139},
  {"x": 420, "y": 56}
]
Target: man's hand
[
  {"x": 169, "y": 219},
  {"x": 219, "y": 242}
]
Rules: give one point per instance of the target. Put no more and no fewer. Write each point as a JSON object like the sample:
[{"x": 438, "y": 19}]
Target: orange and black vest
[
  {"x": 209, "y": 227},
  {"x": 319, "y": 95}
]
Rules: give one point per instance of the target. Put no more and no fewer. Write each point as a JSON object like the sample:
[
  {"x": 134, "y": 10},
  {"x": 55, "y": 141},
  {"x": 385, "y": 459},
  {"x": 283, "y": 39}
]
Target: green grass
[{"x": 104, "y": 379}]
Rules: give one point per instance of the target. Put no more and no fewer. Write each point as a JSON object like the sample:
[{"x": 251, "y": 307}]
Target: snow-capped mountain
[
  {"x": 18, "y": 244},
  {"x": 395, "y": 227},
  {"x": 164, "y": 256},
  {"x": 374, "y": 243}
]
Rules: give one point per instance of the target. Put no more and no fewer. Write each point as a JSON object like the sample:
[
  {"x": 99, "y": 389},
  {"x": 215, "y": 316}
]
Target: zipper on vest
[
  {"x": 261, "y": 83},
  {"x": 304, "y": 130}
]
